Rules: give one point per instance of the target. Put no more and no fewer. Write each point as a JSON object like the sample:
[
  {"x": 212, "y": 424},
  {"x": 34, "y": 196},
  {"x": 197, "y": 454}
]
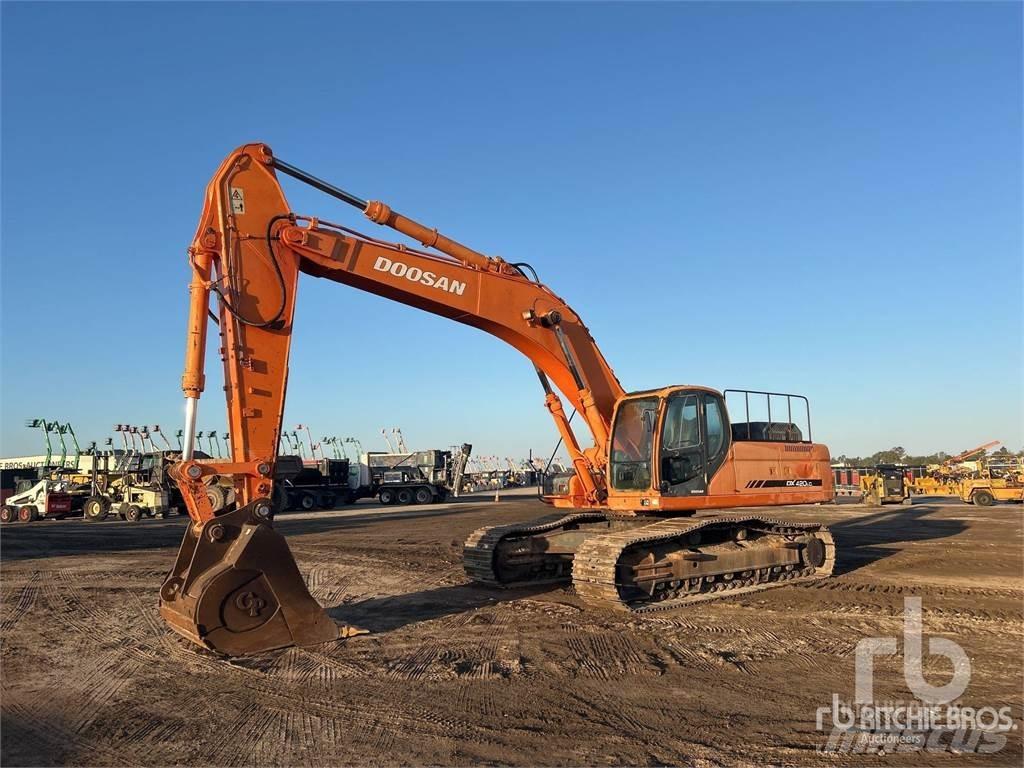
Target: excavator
[{"x": 624, "y": 531}]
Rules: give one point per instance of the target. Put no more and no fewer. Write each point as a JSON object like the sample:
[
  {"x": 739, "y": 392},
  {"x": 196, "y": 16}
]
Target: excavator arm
[{"x": 235, "y": 586}]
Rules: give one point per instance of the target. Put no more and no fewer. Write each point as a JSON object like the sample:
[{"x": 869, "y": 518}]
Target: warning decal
[{"x": 237, "y": 200}]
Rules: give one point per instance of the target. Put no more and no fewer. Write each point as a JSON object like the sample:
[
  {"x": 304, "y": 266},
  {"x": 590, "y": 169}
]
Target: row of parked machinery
[
  {"x": 973, "y": 476},
  {"x": 416, "y": 477},
  {"x": 134, "y": 482},
  {"x": 383, "y": 473},
  {"x": 130, "y": 483},
  {"x": 395, "y": 476}
]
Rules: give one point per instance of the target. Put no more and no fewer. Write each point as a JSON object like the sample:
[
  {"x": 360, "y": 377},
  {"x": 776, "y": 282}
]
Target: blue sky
[{"x": 806, "y": 197}]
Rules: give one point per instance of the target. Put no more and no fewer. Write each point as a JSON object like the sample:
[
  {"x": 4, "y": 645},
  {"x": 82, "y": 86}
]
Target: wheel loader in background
[{"x": 622, "y": 538}]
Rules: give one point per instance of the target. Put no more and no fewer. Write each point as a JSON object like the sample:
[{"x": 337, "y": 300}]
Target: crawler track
[
  {"x": 597, "y": 560},
  {"x": 478, "y": 553}
]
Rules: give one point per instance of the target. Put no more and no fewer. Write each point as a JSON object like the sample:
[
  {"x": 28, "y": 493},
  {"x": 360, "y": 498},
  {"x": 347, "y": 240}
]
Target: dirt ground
[{"x": 454, "y": 674}]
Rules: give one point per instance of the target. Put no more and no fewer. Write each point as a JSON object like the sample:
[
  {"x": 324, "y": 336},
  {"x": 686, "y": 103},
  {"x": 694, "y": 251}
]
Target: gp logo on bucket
[{"x": 417, "y": 275}]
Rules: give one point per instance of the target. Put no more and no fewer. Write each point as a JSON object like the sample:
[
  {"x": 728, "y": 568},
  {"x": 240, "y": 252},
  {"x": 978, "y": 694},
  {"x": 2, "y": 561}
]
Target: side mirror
[{"x": 663, "y": 486}]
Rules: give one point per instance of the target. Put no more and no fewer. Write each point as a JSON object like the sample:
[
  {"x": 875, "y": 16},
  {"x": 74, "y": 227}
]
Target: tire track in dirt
[
  {"x": 331, "y": 670},
  {"x": 417, "y": 664},
  {"x": 309, "y": 736},
  {"x": 328, "y": 583},
  {"x": 476, "y": 660},
  {"x": 819, "y": 649},
  {"x": 492, "y": 658},
  {"x": 113, "y": 677},
  {"x": 294, "y": 666},
  {"x": 70, "y": 612},
  {"x": 101, "y": 676},
  {"x": 309, "y": 668},
  {"x": 605, "y": 655},
  {"x": 376, "y": 714},
  {"x": 157, "y": 629},
  {"x": 552, "y": 609},
  {"x": 26, "y": 599},
  {"x": 999, "y": 622},
  {"x": 241, "y": 745},
  {"x": 63, "y": 741},
  {"x": 484, "y": 619},
  {"x": 272, "y": 736},
  {"x": 428, "y": 715},
  {"x": 479, "y": 698},
  {"x": 481, "y": 659},
  {"x": 646, "y": 722},
  {"x": 582, "y": 656},
  {"x": 669, "y": 623},
  {"x": 72, "y": 709},
  {"x": 82, "y": 698},
  {"x": 154, "y": 731},
  {"x": 813, "y": 646},
  {"x": 740, "y": 648},
  {"x": 921, "y": 590},
  {"x": 101, "y": 623},
  {"x": 684, "y": 655}
]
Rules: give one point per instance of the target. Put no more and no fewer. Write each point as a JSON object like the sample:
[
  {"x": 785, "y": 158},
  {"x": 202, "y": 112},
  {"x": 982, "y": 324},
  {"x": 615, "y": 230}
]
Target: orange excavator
[{"x": 625, "y": 536}]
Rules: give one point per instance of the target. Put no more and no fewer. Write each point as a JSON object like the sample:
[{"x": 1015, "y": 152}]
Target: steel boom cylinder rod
[
  {"x": 380, "y": 213},
  {"x": 323, "y": 186},
  {"x": 188, "y": 442}
]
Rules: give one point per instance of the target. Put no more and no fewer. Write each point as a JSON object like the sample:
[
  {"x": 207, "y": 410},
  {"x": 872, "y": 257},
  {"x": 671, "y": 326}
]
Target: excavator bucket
[{"x": 236, "y": 589}]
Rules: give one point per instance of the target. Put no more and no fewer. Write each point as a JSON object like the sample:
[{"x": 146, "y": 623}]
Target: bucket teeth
[{"x": 237, "y": 590}]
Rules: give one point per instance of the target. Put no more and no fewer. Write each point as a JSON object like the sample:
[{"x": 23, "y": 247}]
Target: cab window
[
  {"x": 682, "y": 429},
  {"x": 632, "y": 438},
  {"x": 716, "y": 426}
]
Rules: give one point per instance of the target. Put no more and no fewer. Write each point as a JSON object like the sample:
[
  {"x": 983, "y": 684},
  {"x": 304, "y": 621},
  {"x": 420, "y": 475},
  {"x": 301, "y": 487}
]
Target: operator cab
[{"x": 678, "y": 437}]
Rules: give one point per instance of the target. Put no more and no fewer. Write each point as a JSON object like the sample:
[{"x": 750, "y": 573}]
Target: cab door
[{"x": 694, "y": 441}]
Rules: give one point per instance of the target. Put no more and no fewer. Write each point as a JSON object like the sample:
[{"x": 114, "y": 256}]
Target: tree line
[{"x": 898, "y": 455}]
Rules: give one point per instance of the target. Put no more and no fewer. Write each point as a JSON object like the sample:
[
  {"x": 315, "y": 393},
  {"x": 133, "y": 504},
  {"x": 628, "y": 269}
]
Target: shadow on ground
[
  {"x": 863, "y": 540},
  {"x": 382, "y": 614}
]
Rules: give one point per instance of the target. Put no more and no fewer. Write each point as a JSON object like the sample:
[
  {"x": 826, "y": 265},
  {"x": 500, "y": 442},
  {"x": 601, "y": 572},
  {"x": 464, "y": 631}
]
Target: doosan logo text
[{"x": 417, "y": 275}]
